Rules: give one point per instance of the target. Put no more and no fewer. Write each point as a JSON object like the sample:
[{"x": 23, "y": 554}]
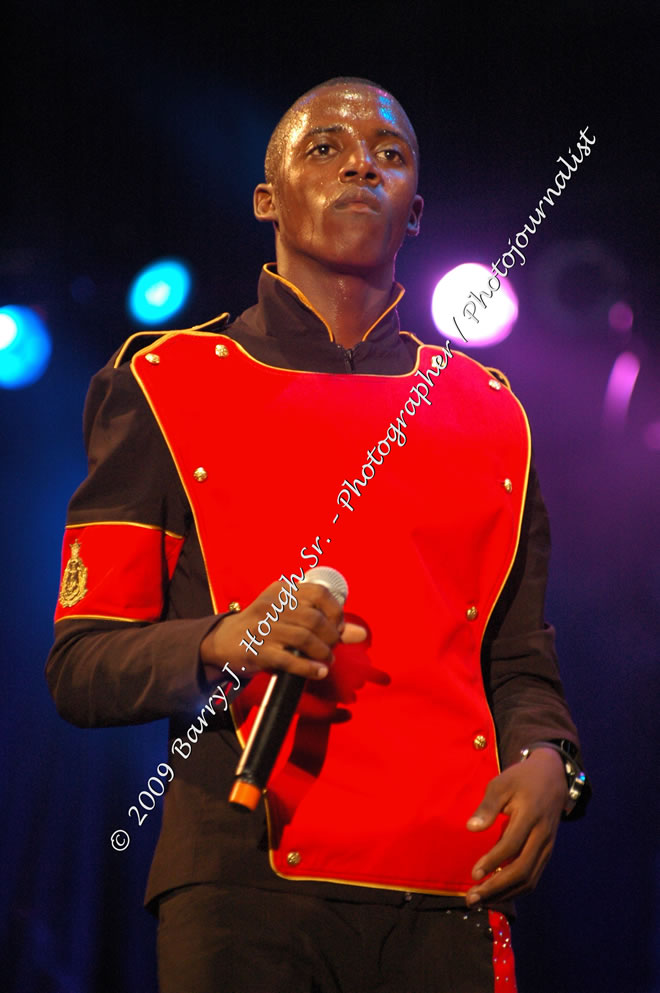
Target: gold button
[
  {"x": 235, "y": 606},
  {"x": 294, "y": 858},
  {"x": 479, "y": 742},
  {"x": 508, "y": 485},
  {"x": 472, "y": 613},
  {"x": 221, "y": 351},
  {"x": 200, "y": 474},
  {"x": 494, "y": 384},
  {"x": 153, "y": 358}
]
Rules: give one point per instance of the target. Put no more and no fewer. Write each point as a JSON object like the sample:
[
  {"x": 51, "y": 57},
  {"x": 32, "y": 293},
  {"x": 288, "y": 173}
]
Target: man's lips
[{"x": 359, "y": 200}]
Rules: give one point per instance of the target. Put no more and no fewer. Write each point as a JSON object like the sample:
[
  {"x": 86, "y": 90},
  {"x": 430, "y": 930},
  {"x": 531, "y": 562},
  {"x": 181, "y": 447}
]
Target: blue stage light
[
  {"x": 159, "y": 291},
  {"x": 24, "y": 347}
]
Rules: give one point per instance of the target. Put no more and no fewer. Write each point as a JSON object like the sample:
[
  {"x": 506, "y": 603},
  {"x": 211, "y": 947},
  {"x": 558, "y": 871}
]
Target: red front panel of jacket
[{"x": 390, "y": 754}]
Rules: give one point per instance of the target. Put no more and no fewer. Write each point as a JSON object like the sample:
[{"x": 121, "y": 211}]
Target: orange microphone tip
[{"x": 245, "y": 795}]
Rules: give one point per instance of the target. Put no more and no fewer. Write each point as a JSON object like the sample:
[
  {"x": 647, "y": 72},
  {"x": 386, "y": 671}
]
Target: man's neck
[{"x": 349, "y": 303}]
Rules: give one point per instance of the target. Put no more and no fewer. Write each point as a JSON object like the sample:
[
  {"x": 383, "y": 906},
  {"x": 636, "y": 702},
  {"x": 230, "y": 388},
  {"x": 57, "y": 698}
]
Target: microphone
[{"x": 276, "y": 712}]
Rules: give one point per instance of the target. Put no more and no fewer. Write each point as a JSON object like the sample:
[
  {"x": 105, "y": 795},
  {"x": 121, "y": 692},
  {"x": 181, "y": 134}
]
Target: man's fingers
[
  {"x": 508, "y": 847},
  {"x": 313, "y": 646},
  {"x": 283, "y": 623},
  {"x": 282, "y": 660},
  {"x": 520, "y": 876},
  {"x": 278, "y": 600},
  {"x": 321, "y": 598}
]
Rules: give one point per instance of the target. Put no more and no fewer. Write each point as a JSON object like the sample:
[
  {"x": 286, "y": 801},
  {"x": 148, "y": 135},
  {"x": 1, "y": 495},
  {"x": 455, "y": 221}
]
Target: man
[{"x": 225, "y": 457}]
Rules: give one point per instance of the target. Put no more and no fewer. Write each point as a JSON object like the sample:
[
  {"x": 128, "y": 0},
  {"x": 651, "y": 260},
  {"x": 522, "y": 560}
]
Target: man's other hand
[{"x": 532, "y": 794}]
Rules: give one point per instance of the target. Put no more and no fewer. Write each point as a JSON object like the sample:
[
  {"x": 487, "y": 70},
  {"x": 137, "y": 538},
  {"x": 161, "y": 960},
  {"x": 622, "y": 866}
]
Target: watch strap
[{"x": 576, "y": 779}]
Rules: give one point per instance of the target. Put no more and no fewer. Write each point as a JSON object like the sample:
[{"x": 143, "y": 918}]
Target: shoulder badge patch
[{"x": 74, "y": 579}]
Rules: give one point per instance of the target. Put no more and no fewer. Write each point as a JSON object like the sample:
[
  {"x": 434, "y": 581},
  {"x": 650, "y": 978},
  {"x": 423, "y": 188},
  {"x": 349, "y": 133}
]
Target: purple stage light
[
  {"x": 619, "y": 388},
  {"x": 471, "y": 305},
  {"x": 620, "y": 316}
]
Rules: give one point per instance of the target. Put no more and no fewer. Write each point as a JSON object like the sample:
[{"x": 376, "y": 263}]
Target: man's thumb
[
  {"x": 484, "y": 815},
  {"x": 353, "y": 633}
]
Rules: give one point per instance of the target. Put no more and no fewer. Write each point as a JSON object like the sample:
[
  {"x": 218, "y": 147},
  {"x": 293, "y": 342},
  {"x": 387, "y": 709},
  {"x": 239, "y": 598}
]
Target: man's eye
[
  {"x": 322, "y": 149},
  {"x": 391, "y": 154}
]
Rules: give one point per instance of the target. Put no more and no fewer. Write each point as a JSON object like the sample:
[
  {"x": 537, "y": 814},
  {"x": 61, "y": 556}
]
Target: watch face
[{"x": 576, "y": 787}]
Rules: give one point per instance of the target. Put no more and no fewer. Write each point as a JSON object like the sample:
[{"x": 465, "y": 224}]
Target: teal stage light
[
  {"x": 159, "y": 291},
  {"x": 25, "y": 347}
]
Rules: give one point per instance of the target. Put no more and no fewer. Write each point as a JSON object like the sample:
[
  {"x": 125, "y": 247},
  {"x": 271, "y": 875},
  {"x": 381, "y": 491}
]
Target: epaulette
[
  {"x": 138, "y": 340},
  {"x": 500, "y": 375}
]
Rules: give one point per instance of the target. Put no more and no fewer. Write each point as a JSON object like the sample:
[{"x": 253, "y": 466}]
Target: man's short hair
[{"x": 278, "y": 137}]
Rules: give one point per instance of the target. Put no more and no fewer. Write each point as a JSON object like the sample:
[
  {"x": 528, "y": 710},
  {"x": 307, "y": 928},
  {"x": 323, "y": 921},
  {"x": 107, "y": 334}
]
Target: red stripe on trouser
[{"x": 504, "y": 971}]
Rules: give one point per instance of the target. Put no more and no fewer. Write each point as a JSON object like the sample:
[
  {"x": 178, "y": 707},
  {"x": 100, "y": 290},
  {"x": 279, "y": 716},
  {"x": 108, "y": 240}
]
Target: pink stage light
[
  {"x": 469, "y": 307},
  {"x": 619, "y": 388}
]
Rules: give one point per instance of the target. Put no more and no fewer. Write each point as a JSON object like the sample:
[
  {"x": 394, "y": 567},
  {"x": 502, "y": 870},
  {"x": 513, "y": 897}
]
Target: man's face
[{"x": 345, "y": 190}]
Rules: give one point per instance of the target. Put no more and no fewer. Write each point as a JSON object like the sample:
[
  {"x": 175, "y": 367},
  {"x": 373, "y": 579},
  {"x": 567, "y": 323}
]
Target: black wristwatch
[{"x": 575, "y": 777}]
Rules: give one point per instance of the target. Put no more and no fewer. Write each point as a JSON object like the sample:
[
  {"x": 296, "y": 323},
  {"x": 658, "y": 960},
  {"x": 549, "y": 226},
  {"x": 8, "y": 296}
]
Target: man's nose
[{"x": 360, "y": 165}]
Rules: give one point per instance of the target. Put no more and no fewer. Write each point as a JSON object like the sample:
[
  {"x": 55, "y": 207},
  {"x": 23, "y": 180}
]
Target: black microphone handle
[
  {"x": 276, "y": 712},
  {"x": 270, "y": 728}
]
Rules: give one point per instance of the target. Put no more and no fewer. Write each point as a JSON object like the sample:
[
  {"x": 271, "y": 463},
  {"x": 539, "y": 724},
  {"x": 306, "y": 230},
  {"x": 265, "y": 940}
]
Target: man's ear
[
  {"x": 264, "y": 203},
  {"x": 415, "y": 218}
]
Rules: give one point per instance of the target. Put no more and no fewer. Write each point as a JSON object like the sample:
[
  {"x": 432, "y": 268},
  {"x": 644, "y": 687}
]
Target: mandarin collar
[{"x": 283, "y": 305}]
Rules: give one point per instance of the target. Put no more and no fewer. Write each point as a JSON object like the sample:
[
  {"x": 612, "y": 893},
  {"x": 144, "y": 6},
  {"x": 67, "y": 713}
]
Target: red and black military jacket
[{"x": 215, "y": 455}]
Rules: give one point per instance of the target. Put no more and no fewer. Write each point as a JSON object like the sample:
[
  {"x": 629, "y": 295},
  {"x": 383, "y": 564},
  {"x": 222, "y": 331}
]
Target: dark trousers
[{"x": 215, "y": 939}]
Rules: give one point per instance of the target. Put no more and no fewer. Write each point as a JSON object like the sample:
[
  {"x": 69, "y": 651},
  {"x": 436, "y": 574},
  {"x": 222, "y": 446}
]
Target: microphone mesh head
[{"x": 333, "y": 581}]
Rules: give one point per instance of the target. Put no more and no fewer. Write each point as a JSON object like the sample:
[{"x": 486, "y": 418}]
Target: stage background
[{"x": 134, "y": 132}]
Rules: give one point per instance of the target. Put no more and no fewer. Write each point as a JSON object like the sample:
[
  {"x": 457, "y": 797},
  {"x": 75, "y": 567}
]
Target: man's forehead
[{"x": 347, "y": 108}]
